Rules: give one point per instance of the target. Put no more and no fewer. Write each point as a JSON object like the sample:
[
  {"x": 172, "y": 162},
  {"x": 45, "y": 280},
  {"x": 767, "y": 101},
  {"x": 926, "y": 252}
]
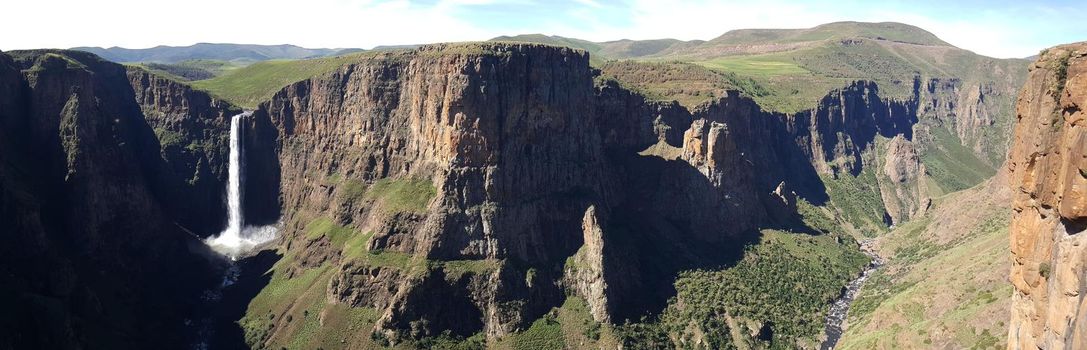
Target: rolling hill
[{"x": 208, "y": 51}]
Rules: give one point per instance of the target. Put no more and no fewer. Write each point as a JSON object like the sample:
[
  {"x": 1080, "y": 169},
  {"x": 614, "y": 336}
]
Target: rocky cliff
[
  {"x": 1048, "y": 173},
  {"x": 471, "y": 187},
  {"x": 90, "y": 247},
  {"x": 193, "y": 133},
  {"x": 449, "y": 190}
]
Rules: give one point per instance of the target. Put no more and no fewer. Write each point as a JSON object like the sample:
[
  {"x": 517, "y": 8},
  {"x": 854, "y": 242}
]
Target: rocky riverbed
[{"x": 840, "y": 309}]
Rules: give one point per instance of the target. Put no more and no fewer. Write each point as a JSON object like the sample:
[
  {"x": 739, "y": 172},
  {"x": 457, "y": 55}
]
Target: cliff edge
[{"x": 1048, "y": 165}]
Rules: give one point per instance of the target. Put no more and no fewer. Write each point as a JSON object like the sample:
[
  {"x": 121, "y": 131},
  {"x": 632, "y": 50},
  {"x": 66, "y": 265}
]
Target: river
[{"x": 838, "y": 311}]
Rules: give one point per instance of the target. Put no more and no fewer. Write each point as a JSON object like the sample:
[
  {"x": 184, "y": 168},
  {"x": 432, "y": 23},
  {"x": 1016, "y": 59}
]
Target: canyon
[{"x": 476, "y": 193}]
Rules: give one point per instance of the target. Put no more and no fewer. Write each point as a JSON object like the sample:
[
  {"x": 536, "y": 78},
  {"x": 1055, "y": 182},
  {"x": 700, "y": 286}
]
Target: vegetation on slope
[
  {"x": 801, "y": 76},
  {"x": 799, "y": 66},
  {"x": 191, "y": 70},
  {"x": 257, "y": 82},
  {"x": 292, "y": 311},
  {"x": 944, "y": 284},
  {"x": 688, "y": 84},
  {"x": 952, "y": 166},
  {"x": 857, "y": 200},
  {"x": 775, "y": 297},
  {"x": 891, "y": 31}
]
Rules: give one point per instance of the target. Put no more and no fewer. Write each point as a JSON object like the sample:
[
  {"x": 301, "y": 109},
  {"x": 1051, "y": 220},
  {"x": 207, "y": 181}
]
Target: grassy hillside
[
  {"x": 945, "y": 282},
  {"x": 192, "y": 70},
  {"x": 621, "y": 49},
  {"x": 241, "y": 53},
  {"x": 838, "y": 30},
  {"x": 257, "y": 82},
  {"x": 292, "y": 311},
  {"x": 952, "y": 166},
  {"x": 800, "y": 74},
  {"x": 799, "y": 66},
  {"x": 688, "y": 84}
]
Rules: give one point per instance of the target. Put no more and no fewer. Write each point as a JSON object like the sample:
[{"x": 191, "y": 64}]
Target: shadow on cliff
[
  {"x": 262, "y": 204},
  {"x": 253, "y": 276},
  {"x": 671, "y": 219}
]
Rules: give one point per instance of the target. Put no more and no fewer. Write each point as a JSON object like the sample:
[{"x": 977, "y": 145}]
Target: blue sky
[{"x": 994, "y": 28}]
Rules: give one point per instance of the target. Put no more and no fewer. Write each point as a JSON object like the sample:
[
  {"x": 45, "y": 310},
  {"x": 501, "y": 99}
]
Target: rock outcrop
[
  {"x": 1048, "y": 165},
  {"x": 90, "y": 249}
]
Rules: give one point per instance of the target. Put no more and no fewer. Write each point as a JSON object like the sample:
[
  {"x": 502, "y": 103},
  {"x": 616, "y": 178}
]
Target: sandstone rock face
[
  {"x": 89, "y": 247},
  {"x": 1047, "y": 162},
  {"x": 506, "y": 137},
  {"x": 544, "y": 183}
]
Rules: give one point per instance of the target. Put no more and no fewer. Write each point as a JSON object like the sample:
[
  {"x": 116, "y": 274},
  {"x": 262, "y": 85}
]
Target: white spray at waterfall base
[{"x": 237, "y": 239}]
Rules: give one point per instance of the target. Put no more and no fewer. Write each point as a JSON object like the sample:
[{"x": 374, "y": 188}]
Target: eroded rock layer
[{"x": 1048, "y": 163}]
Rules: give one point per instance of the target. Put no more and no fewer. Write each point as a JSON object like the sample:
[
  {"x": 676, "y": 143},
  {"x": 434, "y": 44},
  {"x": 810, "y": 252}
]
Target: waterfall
[
  {"x": 234, "y": 184},
  {"x": 237, "y": 240}
]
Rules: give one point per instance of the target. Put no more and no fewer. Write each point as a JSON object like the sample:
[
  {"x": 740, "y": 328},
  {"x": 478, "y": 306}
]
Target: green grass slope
[
  {"x": 799, "y": 66},
  {"x": 257, "y": 82},
  {"x": 892, "y": 31},
  {"x": 945, "y": 282},
  {"x": 192, "y": 70},
  {"x": 686, "y": 83},
  {"x": 801, "y": 73}
]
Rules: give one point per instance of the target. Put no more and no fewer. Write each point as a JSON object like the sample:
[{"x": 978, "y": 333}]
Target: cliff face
[
  {"x": 479, "y": 184},
  {"x": 1048, "y": 176},
  {"x": 90, "y": 249},
  {"x": 974, "y": 109},
  {"x": 851, "y": 129},
  {"x": 193, "y": 133},
  {"x": 455, "y": 187}
]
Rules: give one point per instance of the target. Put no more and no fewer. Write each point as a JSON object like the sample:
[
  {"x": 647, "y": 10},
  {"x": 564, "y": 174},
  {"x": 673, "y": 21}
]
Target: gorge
[{"x": 513, "y": 194}]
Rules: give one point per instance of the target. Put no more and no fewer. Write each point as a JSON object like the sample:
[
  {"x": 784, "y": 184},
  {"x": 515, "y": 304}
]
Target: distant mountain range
[
  {"x": 207, "y": 51},
  {"x": 741, "y": 41}
]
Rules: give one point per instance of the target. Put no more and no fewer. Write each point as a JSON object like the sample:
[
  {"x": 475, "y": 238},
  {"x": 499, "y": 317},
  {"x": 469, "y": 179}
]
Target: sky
[{"x": 998, "y": 28}]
